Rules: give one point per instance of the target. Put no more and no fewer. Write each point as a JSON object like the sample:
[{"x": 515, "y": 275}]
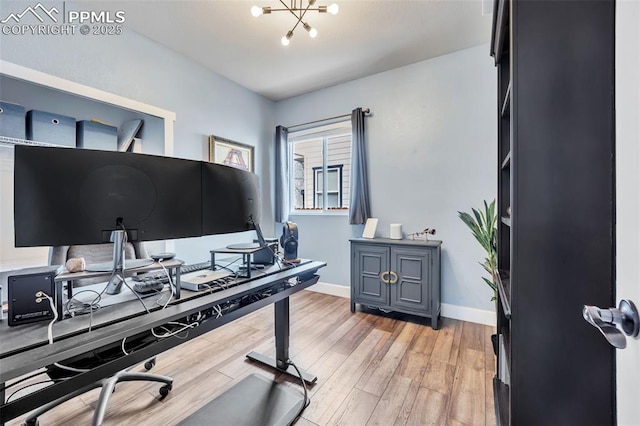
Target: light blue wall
[
  {"x": 431, "y": 138},
  {"x": 431, "y": 149},
  {"x": 135, "y": 67}
]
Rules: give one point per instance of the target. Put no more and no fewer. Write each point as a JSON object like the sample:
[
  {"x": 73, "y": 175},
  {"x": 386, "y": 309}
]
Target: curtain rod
[{"x": 366, "y": 111}]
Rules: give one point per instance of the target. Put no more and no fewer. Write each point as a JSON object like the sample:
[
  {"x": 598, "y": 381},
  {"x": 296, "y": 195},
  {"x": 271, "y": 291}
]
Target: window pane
[
  {"x": 333, "y": 177},
  {"x": 333, "y": 200},
  {"x": 307, "y": 154},
  {"x": 339, "y": 154}
]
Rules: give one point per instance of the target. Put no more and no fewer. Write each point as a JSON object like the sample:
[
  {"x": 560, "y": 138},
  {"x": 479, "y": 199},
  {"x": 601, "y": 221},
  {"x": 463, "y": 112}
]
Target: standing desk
[{"x": 25, "y": 349}]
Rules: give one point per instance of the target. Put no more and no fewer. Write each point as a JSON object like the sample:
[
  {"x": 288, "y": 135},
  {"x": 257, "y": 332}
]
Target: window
[
  {"x": 320, "y": 161},
  {"x": 334, "y": 187}
]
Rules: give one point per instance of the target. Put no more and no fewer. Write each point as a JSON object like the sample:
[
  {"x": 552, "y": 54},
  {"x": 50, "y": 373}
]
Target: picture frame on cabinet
[{"x": 370, "y": 228}]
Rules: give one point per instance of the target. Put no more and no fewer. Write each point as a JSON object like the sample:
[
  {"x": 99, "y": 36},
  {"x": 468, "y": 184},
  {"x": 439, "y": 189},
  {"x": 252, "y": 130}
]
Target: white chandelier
[{"x": 299, "y": 12}]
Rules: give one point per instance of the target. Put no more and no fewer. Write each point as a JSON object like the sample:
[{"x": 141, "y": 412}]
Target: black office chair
[{"x": 97, "y": 253}]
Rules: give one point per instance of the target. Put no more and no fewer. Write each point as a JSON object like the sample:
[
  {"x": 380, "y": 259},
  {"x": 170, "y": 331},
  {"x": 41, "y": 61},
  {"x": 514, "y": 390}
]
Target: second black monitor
[{"x": 230, "y": 199}]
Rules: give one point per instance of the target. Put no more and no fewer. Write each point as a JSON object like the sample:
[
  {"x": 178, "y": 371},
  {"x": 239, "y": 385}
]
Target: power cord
[
  {"x": 34, "y": 384},
  {"x": 174, "y": 333},
  {"x": 307, "y": 400},
  {"x": 39, "y": 295}
]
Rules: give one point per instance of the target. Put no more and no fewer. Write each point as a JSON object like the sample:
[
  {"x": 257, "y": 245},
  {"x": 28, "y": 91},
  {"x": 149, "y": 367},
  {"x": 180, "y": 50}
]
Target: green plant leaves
[{"x": 483, "y": 227}]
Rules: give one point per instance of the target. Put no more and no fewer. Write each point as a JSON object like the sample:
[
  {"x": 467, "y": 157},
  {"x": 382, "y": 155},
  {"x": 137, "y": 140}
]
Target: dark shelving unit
[
  {"x": 504, "y": 112},
  {"x": 554, "y": 159},
  {"x": 504, "y": 291},
  {"x": 507, "y": 161}
]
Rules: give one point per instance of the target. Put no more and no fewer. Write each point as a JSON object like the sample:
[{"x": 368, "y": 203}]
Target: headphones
[{"x": 289, "y": 240}]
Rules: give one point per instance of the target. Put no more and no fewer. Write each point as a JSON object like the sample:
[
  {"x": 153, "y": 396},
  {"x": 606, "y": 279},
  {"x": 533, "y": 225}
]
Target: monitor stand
[
  {"x": 117, "y": 267},
  {"x": 243, "y": 246}
]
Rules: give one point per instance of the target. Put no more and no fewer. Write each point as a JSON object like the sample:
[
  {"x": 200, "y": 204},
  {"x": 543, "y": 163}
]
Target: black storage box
[
  {"x": 24, "y": 305},
  {"x": 51, "y": 128},
  {"x": 95, "y": 135},
  {"x": 12, "y": 121}
]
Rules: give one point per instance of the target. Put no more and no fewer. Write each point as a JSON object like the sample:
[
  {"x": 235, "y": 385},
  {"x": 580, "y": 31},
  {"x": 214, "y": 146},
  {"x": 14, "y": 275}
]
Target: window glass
[{"x": 314, "y": 152}]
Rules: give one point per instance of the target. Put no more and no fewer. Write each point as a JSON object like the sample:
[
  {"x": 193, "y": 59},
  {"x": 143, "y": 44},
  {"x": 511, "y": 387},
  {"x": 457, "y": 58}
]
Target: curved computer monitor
[
  {"x": 66, "y": 196},
  {"x": 230, "y": 200}
]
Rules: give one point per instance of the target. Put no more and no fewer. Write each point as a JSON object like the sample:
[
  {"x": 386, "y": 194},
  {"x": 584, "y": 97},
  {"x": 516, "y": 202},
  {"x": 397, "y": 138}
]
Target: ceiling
[{"x": 364, "y": 38}]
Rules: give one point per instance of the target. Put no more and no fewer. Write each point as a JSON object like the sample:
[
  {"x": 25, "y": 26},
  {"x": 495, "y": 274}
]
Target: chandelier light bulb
[
  {"x": 286, "y": 38},
  {"x": 313, "y": 33},
  {"x": 298, "y": 10},
  {"x": 256, "y": 11}
]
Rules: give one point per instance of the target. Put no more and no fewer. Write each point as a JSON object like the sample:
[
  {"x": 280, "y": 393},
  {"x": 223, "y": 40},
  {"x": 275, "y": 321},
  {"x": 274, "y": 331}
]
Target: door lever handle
[{"x": 614, "y": 323}]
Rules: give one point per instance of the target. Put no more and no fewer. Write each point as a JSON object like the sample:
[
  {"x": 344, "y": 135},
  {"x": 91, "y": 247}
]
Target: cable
[
  {"x": 122, "y": 346},
  {"x": 173, "y": 333},
  {"x": 72, "y": 369},
  {"x": 171, "y": 285},
  {"x": 50, "y": 333},
  {"x": 34, "y": 384},
  {"x": 124, "y": 280},
  {"x": 83, "y": 308},
  {"x": 31, "y": 376},
  {"x": 42, "y": 294},
  {"x": 307, "y": 400},
  {"x": 227, "y": 266}
]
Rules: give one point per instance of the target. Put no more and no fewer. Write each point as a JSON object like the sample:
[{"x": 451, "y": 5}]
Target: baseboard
[
  {"x": 332, "y": 289},
  {"x": 462, "y": 313}
]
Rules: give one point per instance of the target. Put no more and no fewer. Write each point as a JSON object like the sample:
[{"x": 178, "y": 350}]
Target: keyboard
[{"x": 185, "y": 269}]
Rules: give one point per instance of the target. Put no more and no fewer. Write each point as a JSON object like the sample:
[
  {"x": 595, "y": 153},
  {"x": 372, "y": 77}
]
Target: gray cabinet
[{"x": 396, "y": 275}]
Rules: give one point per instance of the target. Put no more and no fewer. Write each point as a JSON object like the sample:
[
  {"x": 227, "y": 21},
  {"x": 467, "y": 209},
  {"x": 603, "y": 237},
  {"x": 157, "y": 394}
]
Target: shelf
[
  {"x": 506, "y": 220},
  {"x": 5, "y": 140},
  {"x": 504, "y": 292},
  {"x": 507, "y": 102},
  {"x": 507, "y": 161},
  {"x": 501, "y": 396}
]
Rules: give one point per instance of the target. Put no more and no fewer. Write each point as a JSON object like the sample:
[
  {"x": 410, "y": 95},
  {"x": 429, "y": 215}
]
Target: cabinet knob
[
  {"x": 614, "y": 323},
  {"x": 394, "y": 278},
  {"x": 382, "y": 277}
]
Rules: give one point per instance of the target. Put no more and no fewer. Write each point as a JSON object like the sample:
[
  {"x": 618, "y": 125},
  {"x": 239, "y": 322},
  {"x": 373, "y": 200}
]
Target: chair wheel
[
  {"x": 149, "y": 364},
  {"x": 164, "y": 391},
  {"x": 32, "y": 422}
]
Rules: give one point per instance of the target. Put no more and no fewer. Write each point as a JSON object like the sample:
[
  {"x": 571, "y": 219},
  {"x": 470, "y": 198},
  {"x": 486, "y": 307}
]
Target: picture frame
[
  {"x": 231, "y": 153},
  {"x": 370, "y": 228}
]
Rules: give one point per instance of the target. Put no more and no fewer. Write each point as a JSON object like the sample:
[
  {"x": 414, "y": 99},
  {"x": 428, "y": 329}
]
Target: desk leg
[{"x": 282, "y": 345}]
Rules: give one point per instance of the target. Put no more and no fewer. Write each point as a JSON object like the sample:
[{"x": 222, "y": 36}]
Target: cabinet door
[
  {"x": 413, "y": 288},
  {"x": 369, "y": 262}
]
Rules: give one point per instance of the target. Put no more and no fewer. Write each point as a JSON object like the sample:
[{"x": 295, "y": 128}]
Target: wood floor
[{"x": 372, "y": 370}]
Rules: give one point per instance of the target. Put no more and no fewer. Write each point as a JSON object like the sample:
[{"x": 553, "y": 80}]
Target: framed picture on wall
[{"x": 230, "y": 153}]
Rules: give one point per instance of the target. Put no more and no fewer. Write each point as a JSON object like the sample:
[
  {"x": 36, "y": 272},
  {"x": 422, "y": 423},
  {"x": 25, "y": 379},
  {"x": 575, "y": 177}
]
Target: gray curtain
[
  {"x": 359, "y": 209},
  {"x": 282, "y": 174}
]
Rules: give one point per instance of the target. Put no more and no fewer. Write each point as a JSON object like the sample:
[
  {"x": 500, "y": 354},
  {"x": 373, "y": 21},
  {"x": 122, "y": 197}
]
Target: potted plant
[{"x": 483, "y": 227}]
